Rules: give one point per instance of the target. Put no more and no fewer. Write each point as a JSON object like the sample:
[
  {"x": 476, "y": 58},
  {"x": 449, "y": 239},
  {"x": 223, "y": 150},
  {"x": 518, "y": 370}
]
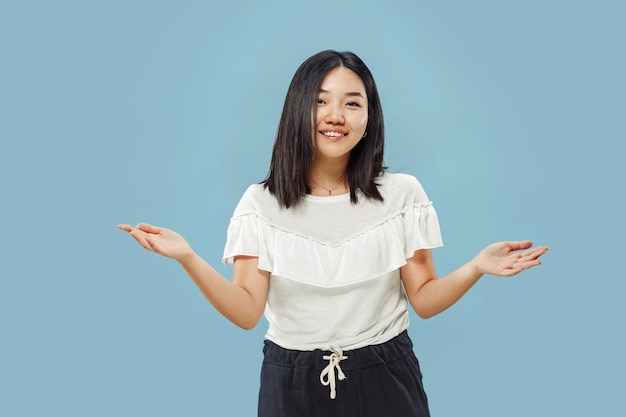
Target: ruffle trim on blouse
[{"x": 381, "y": 248}]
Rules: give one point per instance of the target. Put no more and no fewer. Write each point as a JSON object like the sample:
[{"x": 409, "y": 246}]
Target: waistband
[
  {"x": 387, "y": 352},
  {"x": 333, "y": 362}
]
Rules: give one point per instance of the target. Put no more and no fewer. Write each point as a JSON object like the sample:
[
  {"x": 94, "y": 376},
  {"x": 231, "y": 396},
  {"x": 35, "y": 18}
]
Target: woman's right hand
[{"x": 160, "y": 240}]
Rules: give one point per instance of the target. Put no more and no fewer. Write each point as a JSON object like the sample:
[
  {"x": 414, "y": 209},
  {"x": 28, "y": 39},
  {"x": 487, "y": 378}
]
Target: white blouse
[{"x": 334, "y": 266}]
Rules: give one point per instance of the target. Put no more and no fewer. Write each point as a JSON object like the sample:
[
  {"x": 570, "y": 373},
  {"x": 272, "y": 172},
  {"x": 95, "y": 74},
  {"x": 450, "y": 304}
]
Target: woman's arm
[
  {"x": 241, "y": 301},
  {"x": 430, "y": 295}
]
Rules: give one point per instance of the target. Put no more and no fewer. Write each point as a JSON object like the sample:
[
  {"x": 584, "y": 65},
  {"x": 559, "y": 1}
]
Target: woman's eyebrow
[{"x": 350, "y": 94}]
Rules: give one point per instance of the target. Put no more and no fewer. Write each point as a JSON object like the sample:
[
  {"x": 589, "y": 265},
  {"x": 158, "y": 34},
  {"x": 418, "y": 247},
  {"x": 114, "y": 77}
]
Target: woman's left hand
[{"x": 508, "y": 258}]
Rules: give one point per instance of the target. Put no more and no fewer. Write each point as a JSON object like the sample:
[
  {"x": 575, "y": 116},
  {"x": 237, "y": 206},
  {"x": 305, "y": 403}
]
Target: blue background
[{"x": 511, "y": 114}]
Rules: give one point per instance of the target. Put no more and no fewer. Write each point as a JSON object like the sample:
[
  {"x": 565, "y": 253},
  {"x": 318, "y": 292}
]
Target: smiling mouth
[{"x": 333, "y": 135}]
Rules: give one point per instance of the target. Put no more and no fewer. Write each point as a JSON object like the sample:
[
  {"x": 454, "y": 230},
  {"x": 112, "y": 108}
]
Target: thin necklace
[{"x": 330, "y": 190}]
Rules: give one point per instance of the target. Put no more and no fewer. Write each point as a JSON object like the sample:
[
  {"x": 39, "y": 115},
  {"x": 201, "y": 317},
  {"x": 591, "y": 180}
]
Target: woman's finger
[
  {"x": 141, "y": 238},
  {"x": 519, "y": 245},
  {"x": 534, "y": 253},
  {"x": 125, "y": 227},
  {"x": 148, "y": 228}
]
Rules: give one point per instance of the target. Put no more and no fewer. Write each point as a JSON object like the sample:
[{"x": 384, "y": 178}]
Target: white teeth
[{"x": 334, "y": 134}]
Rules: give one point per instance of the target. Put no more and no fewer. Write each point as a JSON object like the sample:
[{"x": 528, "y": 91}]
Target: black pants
[{"x": 380, "y": 381}]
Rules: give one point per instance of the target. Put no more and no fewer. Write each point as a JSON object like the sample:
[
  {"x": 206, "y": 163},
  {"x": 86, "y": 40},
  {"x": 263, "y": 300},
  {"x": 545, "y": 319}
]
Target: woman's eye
[
  {"x": 353, "y": 104},
  {"x": 319, "y": 101}
]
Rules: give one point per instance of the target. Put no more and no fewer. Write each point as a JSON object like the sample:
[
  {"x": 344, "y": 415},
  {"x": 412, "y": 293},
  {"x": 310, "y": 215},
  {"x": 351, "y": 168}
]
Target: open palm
[
  {"x": 509, "y": 258},
  {"x": 160, "y": 240}
]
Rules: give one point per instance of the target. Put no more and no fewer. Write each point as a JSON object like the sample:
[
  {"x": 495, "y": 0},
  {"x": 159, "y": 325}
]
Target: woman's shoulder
[
  {"x": 256, "y": 196},
  {"x": 396, "y": 185},
  {"x": 256, "y": 190},
  {"x": 398, "y": 178}
]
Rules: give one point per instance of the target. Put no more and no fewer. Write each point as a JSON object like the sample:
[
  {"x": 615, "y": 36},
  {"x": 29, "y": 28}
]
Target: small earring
[{"x": 364, "y": 135}]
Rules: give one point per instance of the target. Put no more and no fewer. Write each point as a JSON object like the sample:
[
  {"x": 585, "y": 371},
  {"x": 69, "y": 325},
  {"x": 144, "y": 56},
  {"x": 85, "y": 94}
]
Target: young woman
[{"x": 333, "y": 249}]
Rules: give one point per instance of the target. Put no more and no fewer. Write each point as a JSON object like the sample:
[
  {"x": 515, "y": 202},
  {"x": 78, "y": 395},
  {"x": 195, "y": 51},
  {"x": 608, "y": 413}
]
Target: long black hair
[{"x": 293, "y": 149}]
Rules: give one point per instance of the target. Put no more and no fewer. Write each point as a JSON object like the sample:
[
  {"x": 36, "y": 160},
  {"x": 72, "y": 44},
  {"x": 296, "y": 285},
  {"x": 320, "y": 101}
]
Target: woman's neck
[{"x": 328, "y": 178}]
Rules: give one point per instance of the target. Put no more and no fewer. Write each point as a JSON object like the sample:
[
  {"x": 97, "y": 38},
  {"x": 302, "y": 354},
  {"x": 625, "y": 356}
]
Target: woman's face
[{"x": 341, "y": 114}]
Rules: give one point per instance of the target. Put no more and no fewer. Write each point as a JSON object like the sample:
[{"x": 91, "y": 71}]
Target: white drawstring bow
[{"x": 327, "y": 377}]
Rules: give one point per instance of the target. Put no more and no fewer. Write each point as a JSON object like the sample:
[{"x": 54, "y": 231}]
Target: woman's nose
[{"x": 335, "y": 115}]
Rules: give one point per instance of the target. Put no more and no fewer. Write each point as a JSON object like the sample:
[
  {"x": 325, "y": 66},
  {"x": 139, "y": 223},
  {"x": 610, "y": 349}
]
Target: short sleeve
[
  {"x": 419, "y": 219},
  {"x": 242, "y": 237},
  {"x": 421, "y": 228}
]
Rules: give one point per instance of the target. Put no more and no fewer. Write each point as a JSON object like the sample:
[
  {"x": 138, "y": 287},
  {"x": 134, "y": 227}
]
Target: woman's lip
[{"x": 337, "y": 135}]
